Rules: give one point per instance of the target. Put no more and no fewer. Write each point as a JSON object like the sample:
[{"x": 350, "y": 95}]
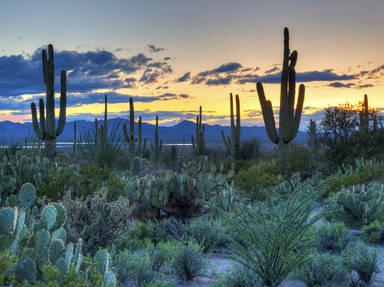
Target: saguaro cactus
[
  {"x": 47, "y": 130},
  {"x": 157, "y": 145},
  {"x": 198, "y": 142},
  {"x": 289, "y": 119},
  {"x": 232, "y": 143},
  {"x": 364, "y": 115},
  {"x": 129, "y": 136}
]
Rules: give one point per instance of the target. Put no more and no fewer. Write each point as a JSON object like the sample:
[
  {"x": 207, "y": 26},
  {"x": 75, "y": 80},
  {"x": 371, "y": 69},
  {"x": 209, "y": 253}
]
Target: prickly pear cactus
[{"x": 361, "y": 205}]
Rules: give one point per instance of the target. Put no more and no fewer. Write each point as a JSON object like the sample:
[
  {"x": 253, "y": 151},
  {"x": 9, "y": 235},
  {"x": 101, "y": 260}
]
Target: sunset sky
[{"x": 174, "y": 55}]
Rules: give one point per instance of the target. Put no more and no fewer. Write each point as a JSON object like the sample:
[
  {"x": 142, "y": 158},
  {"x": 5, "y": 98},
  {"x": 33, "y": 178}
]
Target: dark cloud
[
  {"x": 364, "y": 86},
  {"x": 154, "y": 49},
  {"x": 224, "y": 68},
  {"x": 219, "y": 81},
  {"x": 87, "y": 71},
  {"x": 340, "y": 85},
  {"x": 184, "y": 78},
  {"x": 271, "y": 70},
  {"x": 310, "y": 76}
]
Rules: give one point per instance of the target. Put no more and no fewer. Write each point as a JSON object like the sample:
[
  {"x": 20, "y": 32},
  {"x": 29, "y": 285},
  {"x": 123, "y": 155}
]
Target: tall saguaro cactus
[
  {"x": 232, "y": 143},
  {"x": 289, "y": 118},
  {"x": 198, "y": 142},
  {"x": 46, "y": 130},
  {"x": 364, "y": 115}
]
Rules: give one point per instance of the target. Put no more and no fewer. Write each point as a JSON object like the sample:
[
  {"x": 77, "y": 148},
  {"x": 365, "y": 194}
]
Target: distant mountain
[{"x": 11, "y": 132}]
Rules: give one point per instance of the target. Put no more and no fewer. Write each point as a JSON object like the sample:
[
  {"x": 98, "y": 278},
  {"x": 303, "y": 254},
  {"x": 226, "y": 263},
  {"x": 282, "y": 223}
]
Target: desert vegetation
[{"x": 118, "y": 209}]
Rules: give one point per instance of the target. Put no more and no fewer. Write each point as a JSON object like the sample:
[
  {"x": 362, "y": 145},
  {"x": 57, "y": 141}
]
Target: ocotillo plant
[
  {"x": 198, "y": 141},
  {"x": 232, "y": 143},
  {"x": 129, "y": 136},
  {"x": 46, "y": 130},
  {"x": 289, "y": 119},
  {"x": 157, "y": 144}
]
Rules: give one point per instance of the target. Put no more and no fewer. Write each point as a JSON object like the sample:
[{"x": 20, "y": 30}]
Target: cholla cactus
[
  {"x": 46, "y": 130},
  {"x": 232, "y": 143},
  {"x": 289, "y": 118}
]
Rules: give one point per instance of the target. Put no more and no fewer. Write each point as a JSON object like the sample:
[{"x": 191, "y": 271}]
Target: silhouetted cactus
[
  {"x": 289, "y": 118},
  {"x": 157, "y": 145},
  {"x": 232, "y": 143},
  {"x": 364, "y": 115},
  {"x": 46, "y": 130},
  {"x": 198, "y": 141},
  {"x": 129, "y": 136},
  {"x": 74, "y": 137}
]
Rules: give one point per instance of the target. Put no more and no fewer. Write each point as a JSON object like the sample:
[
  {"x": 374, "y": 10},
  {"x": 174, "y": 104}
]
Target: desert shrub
[
  {"x": 249, "y": 150},
  {"x": 134, "y": 267},
  {"x": 142, "y": 267},
  {"x": 361, "y": 172},
  {"x": 374, "y": 232},
  {"x": 187, "y": 262},
  {"x": 95, "y": 220},
  {"x": 320, "y": 269},
  {"x": 333, "y": 237},
  {"x": 359, "y": 205},
  {"x": 208, "y": 233},
  {"x": 238, "y": 277},
  {"x": 259, "y": 176},
  {"x": 138, "y": 234},
  {"x": 271, "y": 241},
  {"x": 363, "y": 260},
  {"x": 300, "y": 160},
  {"x": 7, "y": 263}
]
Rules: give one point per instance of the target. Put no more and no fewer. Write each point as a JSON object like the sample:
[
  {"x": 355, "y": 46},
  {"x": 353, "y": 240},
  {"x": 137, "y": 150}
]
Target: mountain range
[{"x": 12, "y": 132}]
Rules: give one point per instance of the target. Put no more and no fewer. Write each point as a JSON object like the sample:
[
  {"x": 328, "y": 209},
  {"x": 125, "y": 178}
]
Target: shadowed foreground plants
[{"x": 271, "y": 241}]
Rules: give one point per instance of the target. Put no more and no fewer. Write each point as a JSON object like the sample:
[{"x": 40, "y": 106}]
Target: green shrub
[
  {"x": 374, "y": 232},
  {"x": 300, "y": 160},
  {"x": 259, "y": 176},
  {"x": 333, "y": 237},
  {"x": 363, "y": 260},
  {"x": 208, "y": 233},
  {"x": 320, "y": 269},
  {"x": 187, "y": 262},
  {"x": 136, "y": 235},
  {"x": 134, "y": 267},
  {"x": 238, "y": 277},
  {"x": 363, "y": 171}
]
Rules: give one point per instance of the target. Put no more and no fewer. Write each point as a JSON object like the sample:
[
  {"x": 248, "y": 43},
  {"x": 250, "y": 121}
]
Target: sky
[{"x": 173, "y": 55}]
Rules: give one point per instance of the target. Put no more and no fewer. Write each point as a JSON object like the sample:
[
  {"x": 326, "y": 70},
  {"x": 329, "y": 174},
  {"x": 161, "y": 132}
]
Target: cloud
[
  {"x": 224, "y": 68},
  {"x": 271, "y": 70},
  {"x": 87, "y": 71},
  {"x": 154, "y": 49},
  {"x": 364, "y": 86},
  {"x": 219, "y": 81},
  {"x": 310, "y": 76},
  {"x": 340, "y": 85},
  {"x": 184, "y": 78}
]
